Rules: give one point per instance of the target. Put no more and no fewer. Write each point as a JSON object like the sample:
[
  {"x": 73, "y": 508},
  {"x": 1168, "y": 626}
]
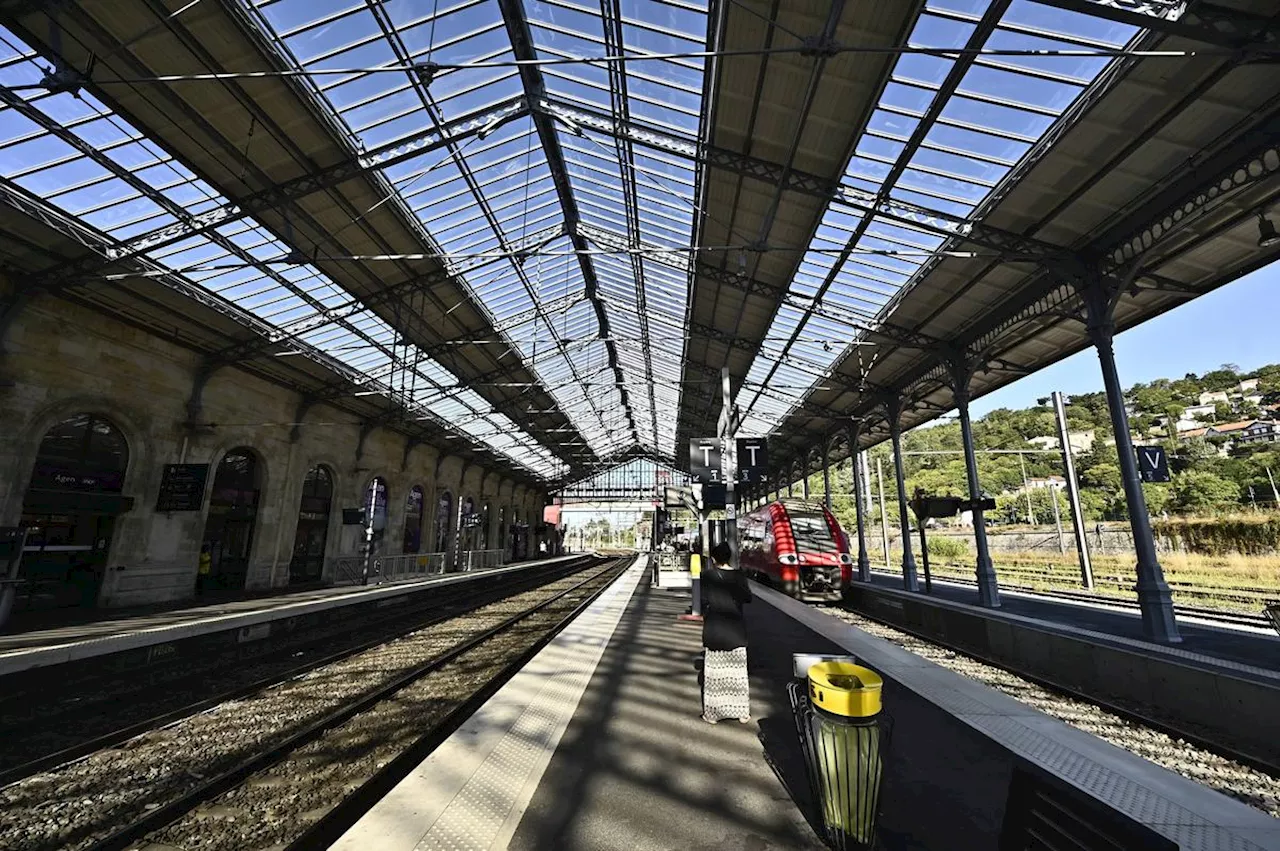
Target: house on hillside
[
  {"x": 1249, "y": 385},
  {"x": 1212, "y": 397},
  {"x": 1079, "y": 441},
  {"x": 1054, "y": 482},
  {"x": 1245, "y": 431},
  {"x": 1198, "y": 412}
]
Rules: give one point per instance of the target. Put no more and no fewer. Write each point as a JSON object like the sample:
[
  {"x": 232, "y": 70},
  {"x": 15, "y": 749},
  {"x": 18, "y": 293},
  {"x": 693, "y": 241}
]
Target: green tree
[{"x": 1197, "y": 490}]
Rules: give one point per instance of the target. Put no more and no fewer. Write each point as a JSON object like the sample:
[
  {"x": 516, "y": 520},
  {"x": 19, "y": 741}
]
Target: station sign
[
  {"x": 182, "y": 487},
  {"x": 1153, "y": 464},
  {"x": 753, "y": 459},
  {"x": 704, "y": 460}
]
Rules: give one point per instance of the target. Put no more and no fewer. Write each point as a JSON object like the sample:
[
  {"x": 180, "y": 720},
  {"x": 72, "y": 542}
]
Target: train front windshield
[{"x": 813, "y": 535}]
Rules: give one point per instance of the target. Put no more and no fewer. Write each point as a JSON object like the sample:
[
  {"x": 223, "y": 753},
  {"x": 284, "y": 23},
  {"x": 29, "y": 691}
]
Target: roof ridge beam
[{"x": 522, "y": 47}]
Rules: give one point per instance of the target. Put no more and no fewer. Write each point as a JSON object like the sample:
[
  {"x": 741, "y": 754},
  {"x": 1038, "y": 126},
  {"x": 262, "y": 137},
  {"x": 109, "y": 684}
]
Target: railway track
[
  {"x": 1219, "y": 615},
  {"x": 300, "y": 761},
  {"x": 46, "y": 722},
  {"x": 1250, "y": 778}
]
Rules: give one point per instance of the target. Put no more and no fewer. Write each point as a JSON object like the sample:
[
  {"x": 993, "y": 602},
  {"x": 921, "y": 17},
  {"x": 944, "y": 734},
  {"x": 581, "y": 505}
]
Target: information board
[{"x": 182, "y": 487}]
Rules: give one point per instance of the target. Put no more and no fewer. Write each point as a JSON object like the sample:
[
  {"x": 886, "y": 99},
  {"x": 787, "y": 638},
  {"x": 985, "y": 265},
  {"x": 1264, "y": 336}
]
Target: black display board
[{"x": 182, "y": 487}]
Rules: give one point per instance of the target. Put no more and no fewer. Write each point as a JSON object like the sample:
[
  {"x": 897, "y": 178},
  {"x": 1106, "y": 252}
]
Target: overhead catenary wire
[{"x": 833, "y": 49}]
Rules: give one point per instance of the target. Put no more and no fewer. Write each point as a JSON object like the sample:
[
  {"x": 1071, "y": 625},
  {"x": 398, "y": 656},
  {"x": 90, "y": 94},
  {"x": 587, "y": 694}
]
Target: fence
[
  {"x": 479, "y": 559},
  {"x": 349, "y": 570}
]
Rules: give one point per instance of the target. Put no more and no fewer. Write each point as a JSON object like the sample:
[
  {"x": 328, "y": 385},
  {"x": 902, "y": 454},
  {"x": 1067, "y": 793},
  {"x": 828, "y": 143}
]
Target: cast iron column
[
  {"x": 909, "y": 580},
  {"x": 1154, "y": 598},
  {"x": 864, "y": 563},
  {"x": 804, "y": 477},
  {"x": 988, "y": 585}
]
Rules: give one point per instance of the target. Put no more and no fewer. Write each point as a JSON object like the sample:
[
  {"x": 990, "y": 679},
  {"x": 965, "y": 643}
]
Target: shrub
[
  {"x": 1216, "y": 536},
  {"x": 947, "y": 547}
]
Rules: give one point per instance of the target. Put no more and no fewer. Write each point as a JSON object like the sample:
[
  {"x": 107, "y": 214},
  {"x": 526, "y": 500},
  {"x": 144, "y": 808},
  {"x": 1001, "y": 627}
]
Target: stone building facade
[{"x": 60, "y": 361}]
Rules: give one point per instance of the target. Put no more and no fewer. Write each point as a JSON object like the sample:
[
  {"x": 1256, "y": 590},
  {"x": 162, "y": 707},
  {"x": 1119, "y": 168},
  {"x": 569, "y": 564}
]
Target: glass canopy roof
[
  {"x": 574, "y": 243},
  {"x": 493, "y": 194},
  {"x": 999, "y": 111},
  {"x": 79, "y": 156}
]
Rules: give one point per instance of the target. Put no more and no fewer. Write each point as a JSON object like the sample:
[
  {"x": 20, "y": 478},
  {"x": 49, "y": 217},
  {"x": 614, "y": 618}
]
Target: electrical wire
[{"x": 804, "y": 50}]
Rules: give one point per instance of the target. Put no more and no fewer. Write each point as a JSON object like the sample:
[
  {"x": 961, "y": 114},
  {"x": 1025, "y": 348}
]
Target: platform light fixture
[{"x": 1267, "y": 236}]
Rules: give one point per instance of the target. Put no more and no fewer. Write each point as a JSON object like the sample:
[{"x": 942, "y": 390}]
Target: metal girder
[
  {"x": 1013, "y": 247},
  {"x": 1204, "y": 22},
  {"x": 885, "y": 330},
  {"x": 1252, "y": 157},
  {"x": 959, "y": 69},
  {"x": 1255, "y": 156},
  {"x": 523, "y": 49},
  {"x": 300, "y": 187}
]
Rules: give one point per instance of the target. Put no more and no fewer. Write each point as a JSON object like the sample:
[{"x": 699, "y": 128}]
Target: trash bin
[{"x": 844, "y": 737}]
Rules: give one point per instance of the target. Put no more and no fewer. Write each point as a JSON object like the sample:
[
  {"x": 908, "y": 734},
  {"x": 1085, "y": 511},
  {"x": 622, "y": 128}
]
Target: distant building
[
  {"x": 1191, "y": 412},
  {"x": 1213, "y": 397},
  {"x": 1244, "y": 431},
  {"x": 1079, "y": 441},
  {"x": 1055, "y": 482},
  {"x": 1249, "y": 385}
]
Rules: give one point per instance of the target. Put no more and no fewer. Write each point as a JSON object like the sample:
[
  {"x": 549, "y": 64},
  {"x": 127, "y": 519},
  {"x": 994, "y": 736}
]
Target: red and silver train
[{"x": 797, "y": 546}]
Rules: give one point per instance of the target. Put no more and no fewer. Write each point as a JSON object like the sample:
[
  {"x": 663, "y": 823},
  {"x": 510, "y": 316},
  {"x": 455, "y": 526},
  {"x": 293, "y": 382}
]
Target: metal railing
[
  {"x": 480, "y": 559},
  {"x": 349, "y": 570}
]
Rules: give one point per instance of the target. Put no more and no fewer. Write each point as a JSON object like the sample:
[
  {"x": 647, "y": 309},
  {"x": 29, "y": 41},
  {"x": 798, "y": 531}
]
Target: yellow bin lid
[{"x": 842, "y": 688}]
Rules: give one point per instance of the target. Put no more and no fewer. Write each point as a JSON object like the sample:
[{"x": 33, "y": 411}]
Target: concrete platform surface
[
  {"x": 597, "y": 744},
  {"x": 113, "y": 632},
  {"x": 1238, "y": 646}
]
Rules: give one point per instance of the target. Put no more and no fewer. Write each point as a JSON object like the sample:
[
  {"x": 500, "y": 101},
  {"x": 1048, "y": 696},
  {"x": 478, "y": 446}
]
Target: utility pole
[
  {"x": 1026, "y": 489},
  {"x": 1073, "y": 491},
  {"x": 884, "y": 515}
]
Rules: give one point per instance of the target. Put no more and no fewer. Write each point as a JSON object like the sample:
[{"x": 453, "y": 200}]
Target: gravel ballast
[
  {"x": 1242, "y": 782},
  {"x": 77, "y": 804}
]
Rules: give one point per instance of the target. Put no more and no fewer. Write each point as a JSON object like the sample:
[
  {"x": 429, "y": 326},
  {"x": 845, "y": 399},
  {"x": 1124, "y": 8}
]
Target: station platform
[
  {"x": 597, "y": 744},
  {"x": 116, "y": 631},
  {"x": 1242, "y": 645}
]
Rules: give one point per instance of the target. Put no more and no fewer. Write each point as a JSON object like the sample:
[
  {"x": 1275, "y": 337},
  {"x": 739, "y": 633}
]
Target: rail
[{"x": 479, "y": 559}]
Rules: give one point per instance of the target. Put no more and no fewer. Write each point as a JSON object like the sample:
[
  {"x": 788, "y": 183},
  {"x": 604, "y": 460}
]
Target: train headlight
[
  {"x": 844, "y": 559},
  {"x": 788, "y": 558}
]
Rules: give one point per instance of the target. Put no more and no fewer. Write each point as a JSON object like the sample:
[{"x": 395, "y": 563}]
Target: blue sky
[{"x": 1235, "y": 324}]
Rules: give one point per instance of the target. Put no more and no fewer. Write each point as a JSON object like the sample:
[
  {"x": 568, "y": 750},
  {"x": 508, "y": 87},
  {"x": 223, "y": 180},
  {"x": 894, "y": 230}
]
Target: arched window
[
  {"x": 413, "y": 521},
  {"x": 233, "y": 515},
  {"x": 307, "y": 564},
  {"x": 70, "y": 510},
  {"x": 444, "y": 521},
  {"x": 83, "y": 453}
]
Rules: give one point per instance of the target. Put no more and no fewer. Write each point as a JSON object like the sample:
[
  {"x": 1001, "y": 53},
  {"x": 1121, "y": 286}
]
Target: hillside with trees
[{"x": 1209, "y": 474}]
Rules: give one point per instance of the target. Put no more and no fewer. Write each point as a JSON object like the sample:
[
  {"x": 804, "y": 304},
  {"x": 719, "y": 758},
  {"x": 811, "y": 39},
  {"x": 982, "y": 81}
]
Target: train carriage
[{"x": 798, "y": 547}]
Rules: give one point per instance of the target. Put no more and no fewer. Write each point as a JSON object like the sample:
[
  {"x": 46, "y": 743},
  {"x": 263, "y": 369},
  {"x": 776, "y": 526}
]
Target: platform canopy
[{"x": 535, "y": 232}]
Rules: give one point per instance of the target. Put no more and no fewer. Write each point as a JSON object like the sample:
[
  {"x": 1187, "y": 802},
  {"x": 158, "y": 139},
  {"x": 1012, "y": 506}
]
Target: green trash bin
[{"x": 844, "y": 737}]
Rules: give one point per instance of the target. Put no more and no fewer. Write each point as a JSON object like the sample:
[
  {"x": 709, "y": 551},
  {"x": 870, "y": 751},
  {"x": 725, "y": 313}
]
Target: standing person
[{"x": 725, "y": 688}]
